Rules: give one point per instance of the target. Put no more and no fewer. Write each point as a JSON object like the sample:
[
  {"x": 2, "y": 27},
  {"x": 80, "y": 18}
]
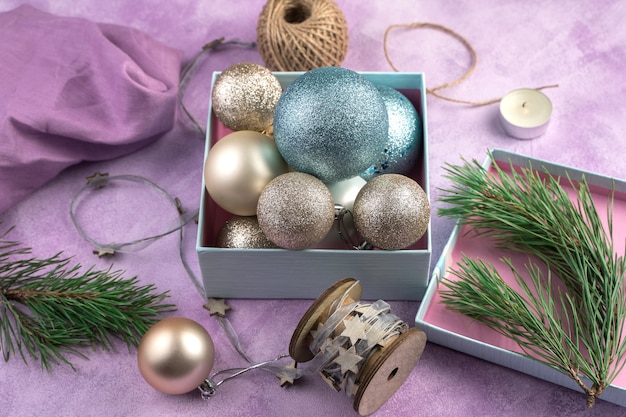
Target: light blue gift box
[{"x": 280, "y": 273}]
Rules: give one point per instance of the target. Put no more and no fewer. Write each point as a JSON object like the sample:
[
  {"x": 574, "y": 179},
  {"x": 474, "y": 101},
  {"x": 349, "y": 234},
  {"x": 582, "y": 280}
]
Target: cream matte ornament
[
  {"x": 244, "y": 97},
  {"x": 296, "y": 210},
  {"x": 391, "y": 211},
  {"x": 176, "y": 355},
  {"x": 238, "y": 167},
  {"x": 243, "y": 232}
]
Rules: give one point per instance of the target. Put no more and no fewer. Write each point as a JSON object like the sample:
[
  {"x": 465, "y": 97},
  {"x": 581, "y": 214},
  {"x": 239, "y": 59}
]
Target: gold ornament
[
  {"x": 244, "y": 97},
  {"x": 296, "y": 210},
  {"x": 243, "y": 232},
  {"x": 176, "y": 355},
  {"x": 237, "y": 169},
  {"x": 391, "y": 211}
]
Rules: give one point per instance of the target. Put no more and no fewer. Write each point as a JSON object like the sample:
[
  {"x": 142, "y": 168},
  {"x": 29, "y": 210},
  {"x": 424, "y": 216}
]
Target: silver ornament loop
[{"x": 207, "y": 389}]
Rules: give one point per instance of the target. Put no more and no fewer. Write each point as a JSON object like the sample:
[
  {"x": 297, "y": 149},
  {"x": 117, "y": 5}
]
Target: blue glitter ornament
[
  {"x": 404, "y": 139},
  {"x": 331, "y": 123}
]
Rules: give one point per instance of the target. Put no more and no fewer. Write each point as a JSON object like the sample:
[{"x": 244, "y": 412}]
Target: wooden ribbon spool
[{"x": 384, "y": 371}]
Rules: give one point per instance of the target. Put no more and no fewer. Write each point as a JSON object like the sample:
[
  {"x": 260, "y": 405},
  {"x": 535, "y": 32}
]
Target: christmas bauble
[
  {"x": 295, "y": 210},
  {"x": 237, "y": 168},
  {"x": 175, "y": 355},
  {"x": 244, "y": 97},
  {"x": 243, "y": 232},
  {"x": 331, "y": 123},
  {"x": 343, "y": 192},
  {"x": 403, "y": 139},
  {"x": 391, "y": 211}
]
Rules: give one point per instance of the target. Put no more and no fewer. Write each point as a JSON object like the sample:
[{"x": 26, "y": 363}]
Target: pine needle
[
  {"x": 49, "y": 309},
  {"x": 571, "y": 317}
]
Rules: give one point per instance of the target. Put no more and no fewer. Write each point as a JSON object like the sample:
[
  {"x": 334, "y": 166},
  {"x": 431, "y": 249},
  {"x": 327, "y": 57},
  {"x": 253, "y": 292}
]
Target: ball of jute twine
[{"x": 300, "y": 35}]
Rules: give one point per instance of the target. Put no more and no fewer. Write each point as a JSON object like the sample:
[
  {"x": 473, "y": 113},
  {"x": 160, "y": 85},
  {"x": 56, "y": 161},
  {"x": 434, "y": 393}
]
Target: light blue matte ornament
[
  {"x": 331, "y": 123},
  {"x": 404, "y": 139}
]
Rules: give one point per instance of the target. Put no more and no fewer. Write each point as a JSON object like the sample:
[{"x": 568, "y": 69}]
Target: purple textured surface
[{"x": 579, "y": 45}]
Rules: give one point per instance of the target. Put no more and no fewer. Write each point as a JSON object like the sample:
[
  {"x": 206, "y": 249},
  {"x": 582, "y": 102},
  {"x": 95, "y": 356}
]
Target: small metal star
[
  {"x": 98, "y": 179},
  {"x": 348, "y": 360},
  {"x": 355, "y": 329},
  {"x": 103, "y": 252},
  {"x": 179, "y": 205},
  {"x": 216, "y": 306},
  {"x": 286, "y": 380}
]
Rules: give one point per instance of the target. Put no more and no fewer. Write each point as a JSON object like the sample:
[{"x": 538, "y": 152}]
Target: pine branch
[
  {"x": 578, "y": 330},
  {"x": 49, "y": 309}
]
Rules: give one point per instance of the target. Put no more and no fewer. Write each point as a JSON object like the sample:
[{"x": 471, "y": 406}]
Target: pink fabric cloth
[{"x": 73, "y": 90}]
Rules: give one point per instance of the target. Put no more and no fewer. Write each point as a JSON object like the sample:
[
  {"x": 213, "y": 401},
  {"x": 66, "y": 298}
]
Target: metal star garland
[
  {"x": 216, "y": 306},
  {"x": 98, "y": 179},
  {"x": 355, "y": 329},
  {"x": 286, "y": 380},
  {"x": 348, "y": 360}
]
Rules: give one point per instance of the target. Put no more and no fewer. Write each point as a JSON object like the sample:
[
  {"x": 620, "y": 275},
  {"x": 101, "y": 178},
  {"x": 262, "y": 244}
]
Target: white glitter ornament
[
  {"x": 331, "y": 123},
  {"x": 295, "y": 210},
  {"x": 391, "y": 211}
]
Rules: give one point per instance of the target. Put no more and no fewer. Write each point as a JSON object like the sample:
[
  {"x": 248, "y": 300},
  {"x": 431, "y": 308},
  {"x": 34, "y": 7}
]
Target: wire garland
[
  {"x": 98, "y": 181},
  {"x": 355, "y": 329},
  {"x": 110, "y": 247},
  {"x": 189, "y": 69}
]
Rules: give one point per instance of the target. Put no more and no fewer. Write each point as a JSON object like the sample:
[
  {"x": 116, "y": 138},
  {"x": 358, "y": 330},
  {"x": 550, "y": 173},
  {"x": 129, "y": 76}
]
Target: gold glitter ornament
[
  {"x": 295, "y": 210},
  {"x": 237, "y": 168},
  {"x": 175, "y": 355},
  {"x": 243, "y": 232},
  {"x": 391, "y": 211},
  {"x": 244, "y": 97}
]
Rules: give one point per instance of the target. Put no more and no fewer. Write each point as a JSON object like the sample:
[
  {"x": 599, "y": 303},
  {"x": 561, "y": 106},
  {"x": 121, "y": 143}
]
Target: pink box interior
[{"x": 480, "y": 248}]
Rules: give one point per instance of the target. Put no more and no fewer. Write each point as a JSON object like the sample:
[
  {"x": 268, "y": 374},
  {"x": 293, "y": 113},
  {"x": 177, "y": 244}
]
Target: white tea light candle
[{"x": 525, "y": 113}]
